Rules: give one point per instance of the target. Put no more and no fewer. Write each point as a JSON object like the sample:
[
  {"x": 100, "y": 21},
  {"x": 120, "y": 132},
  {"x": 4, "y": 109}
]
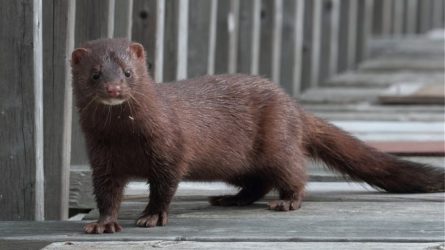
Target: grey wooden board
[
  {"x": 370, "y": 79},
  {"x": 340, "y": 95},
  {"x": 400, "y": 221},
  {"x": 409, "y": 47},
  {"x": 369, "y": 112},
  {"x": 58, "y": 30},
  {"x": 198, "y": 44},
  {"x": 403, "y": 64},
  {"x": 21, "y": 133},
  {"x": 239, "y": 245}
]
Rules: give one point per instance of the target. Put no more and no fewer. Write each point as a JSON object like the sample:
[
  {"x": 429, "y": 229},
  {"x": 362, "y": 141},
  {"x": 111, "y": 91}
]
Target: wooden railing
[{"x": 297, "y": 43}]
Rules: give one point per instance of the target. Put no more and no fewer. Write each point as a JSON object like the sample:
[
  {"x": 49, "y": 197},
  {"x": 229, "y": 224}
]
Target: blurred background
[{"x": 372, "y": 67}]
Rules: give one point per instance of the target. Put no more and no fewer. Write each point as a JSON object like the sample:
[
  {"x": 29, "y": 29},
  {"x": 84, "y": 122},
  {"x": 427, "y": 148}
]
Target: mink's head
[{"x": 108, "y": 71}]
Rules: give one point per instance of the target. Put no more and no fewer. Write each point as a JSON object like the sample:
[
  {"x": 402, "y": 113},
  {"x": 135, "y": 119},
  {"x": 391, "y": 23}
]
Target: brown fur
[{"x": 243, "y": 130}]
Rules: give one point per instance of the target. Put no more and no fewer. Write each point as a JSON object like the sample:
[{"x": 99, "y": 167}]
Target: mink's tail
[{"x": 348, "y": 155}]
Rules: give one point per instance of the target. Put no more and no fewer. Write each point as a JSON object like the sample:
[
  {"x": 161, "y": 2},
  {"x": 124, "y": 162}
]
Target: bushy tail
[{"x": 346, "y": 154}]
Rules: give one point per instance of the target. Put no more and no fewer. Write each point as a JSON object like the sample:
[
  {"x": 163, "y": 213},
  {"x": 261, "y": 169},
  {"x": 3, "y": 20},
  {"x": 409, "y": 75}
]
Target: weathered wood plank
[
  {"x": 124, "y": 18},
  {"x": 117, "y": 245},
  {"x": 182, "y": 39},
  {"x": 233, "y": 26},
  {"x": 145, "y": 21},
  {"x": 21, "y": 111},
  {"x": 58, "y": 30},
  {"x": 97, "y": 17},
  {"x": 199, "y": 30}
]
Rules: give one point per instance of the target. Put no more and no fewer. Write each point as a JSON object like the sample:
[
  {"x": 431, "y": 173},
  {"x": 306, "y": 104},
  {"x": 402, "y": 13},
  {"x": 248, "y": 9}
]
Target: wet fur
[{"x": 243, "y": 130}]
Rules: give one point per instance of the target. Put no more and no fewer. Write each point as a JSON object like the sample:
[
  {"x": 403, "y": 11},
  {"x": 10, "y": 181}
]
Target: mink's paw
[
  {"x": 284, "y": 205},
  {"x": 152, "y": 220},
  {"x": 100, "y": 227}
]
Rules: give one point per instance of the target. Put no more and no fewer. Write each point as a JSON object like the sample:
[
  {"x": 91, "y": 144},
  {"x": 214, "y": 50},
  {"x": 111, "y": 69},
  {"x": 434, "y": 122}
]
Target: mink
[{"x": 240, "y": 129}]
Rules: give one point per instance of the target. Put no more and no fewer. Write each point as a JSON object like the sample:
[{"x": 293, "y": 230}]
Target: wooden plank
[
  {"x": 58, "y": 31},
  {"x": 233, "y": 27},
  {"x": 123, "y": 18},
  {"x": 289, "y": 59},
  {"x": 245, "y": 36},
  {"x": 399, "y": 9},
  {"x": 411, "y": 16},
  {"x": 387, "y": 17},
  {"x": 335, "y": 35},
  {"x": 145, "y": 21},
  {"x": 352, "y": 34},
  {"x": 423, "y": 148},
  {"x": 266, "y": 38},
  {"x": 199, "y": 27},
  {"x": 277, "y": 39},
  {"x": 425, "y": 19},
  {"x": 306, "y": 63},
  {"x": 182, "y": 39},
  {"x": 438, "y": 14},
  {"x": 343, "y": 36},
  {"x": 365, "y": 29},
  {"x": 21, "y": 102},
  {"x": 96, "y": 16},
  {"x": 412, "y": 93},
  {"x": 159, "y": 43},
  {"x": 170, "y": 37},
  {"x": 316, "y": 42},
  {"x": 402, "y": 222},
  {"x": 212, "y": 37},
  {"x": 222, "y": 43},
  {"x": 256, "y": 35},
  {"x": 242, "y": 245}
]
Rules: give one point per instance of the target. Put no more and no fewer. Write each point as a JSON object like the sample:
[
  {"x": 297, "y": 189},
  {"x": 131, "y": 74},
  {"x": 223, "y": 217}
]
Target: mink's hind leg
[
  {"x": 289, "y": 200},
  {"x": 249, "y": 193}
]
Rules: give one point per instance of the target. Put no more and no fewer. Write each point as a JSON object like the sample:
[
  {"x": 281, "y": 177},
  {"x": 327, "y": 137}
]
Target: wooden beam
[
  {"x": 212, "y": 37},
  {"x": 399, "y": 9},
  {"x": 58, "y": 31},
  {"x": 411, "y": 16},
  {"x": 277, "y": 40},
  {"x": 298, "y": 46},
  {"x": 182, "y": 41},
  {"x": 256, "y": 32},
  {"x": 316, "y": 42},
  {"x": 233, "y": 27},
  {"x": 159, "y": 46},
  {"x": 21, "y": 110},
  {"x": 334, "y": 39},
  {"x": 124, "y": 18}
]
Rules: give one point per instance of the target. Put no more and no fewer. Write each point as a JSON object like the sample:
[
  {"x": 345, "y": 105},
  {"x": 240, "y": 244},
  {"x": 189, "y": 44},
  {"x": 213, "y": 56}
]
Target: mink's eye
[
  {"x": 96, "y": 76},
  {"x": 127, "y": 73}
]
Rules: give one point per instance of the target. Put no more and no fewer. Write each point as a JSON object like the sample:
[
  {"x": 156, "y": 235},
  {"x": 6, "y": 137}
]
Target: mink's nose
[{"x": 113, "y": 90}]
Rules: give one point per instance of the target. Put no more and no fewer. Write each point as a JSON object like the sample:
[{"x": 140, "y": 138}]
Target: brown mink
[{"x": 240, "y": 129}]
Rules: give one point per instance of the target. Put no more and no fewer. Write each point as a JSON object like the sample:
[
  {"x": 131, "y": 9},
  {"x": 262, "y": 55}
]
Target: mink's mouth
[{"x": 112, "y": 101}]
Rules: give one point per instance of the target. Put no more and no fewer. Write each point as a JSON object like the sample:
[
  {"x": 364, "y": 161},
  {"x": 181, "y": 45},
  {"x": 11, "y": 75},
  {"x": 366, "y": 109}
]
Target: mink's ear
[
  {"x": 77, "y": 55},
  {"x": 138, "y": 50}
]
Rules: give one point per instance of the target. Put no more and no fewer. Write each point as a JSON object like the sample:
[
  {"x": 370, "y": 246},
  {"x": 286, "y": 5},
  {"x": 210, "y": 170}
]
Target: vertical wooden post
[
  {"x": 316, "y": 41},
  {"x": 352, "y": 33},
  {"x": 411, "y": 16},
  {"x": 58, "y": 31},
  {"x": 212, "y": 37},
  {"x": 277, "y": 40},
  {"x": 256, "y": 32},
  {"x": 159, "y": 45},
  {"x": 233, "y": 27},
  {"x": 387, "y": 17},
  {"x": 96, "y": 15},
  {"x": 182, "y": 41},
  {"x": 335, "y": 34},
  {"x": 399, "y": 8},
  {"x": 298, "y": 46},
  {"x": 124, "y": 18},
  {"x": 21, "y": 111}
]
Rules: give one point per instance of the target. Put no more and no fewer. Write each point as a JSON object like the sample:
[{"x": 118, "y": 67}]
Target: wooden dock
[{"x": 349, "y": 216}]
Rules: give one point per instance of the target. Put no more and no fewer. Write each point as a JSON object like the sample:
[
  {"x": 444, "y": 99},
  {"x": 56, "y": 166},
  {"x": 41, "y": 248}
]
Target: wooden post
[
  {"x": 352, "y": 34},
  {"x": 182, "y": 41},
  {"x": 212, "y": 37},
  {"x": 317, "y": 26},
  {"x": 124, "y": 17},
  {"x": 58, "y": 35},
  {"x": 298, "y": 47},
  {"x": 256, "y": 32},
  {"x": 96, "y": 15},
  {"x": 198, "y": 32},
  {"x": 411, "y": 16},
  {"x": 277, "y": 41},
  {"x": 21, "y": 111},
  {"x": 335, "y": 34}
]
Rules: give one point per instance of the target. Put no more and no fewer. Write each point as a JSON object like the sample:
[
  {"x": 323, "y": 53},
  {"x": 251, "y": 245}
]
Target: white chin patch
[{"x": 112, "y": 101}]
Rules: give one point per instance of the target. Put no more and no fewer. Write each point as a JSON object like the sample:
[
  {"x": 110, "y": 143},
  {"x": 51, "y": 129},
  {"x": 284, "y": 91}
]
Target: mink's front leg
[
  {"x": 108, "y": 191},
  {"x": 161, "y": 194}
]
